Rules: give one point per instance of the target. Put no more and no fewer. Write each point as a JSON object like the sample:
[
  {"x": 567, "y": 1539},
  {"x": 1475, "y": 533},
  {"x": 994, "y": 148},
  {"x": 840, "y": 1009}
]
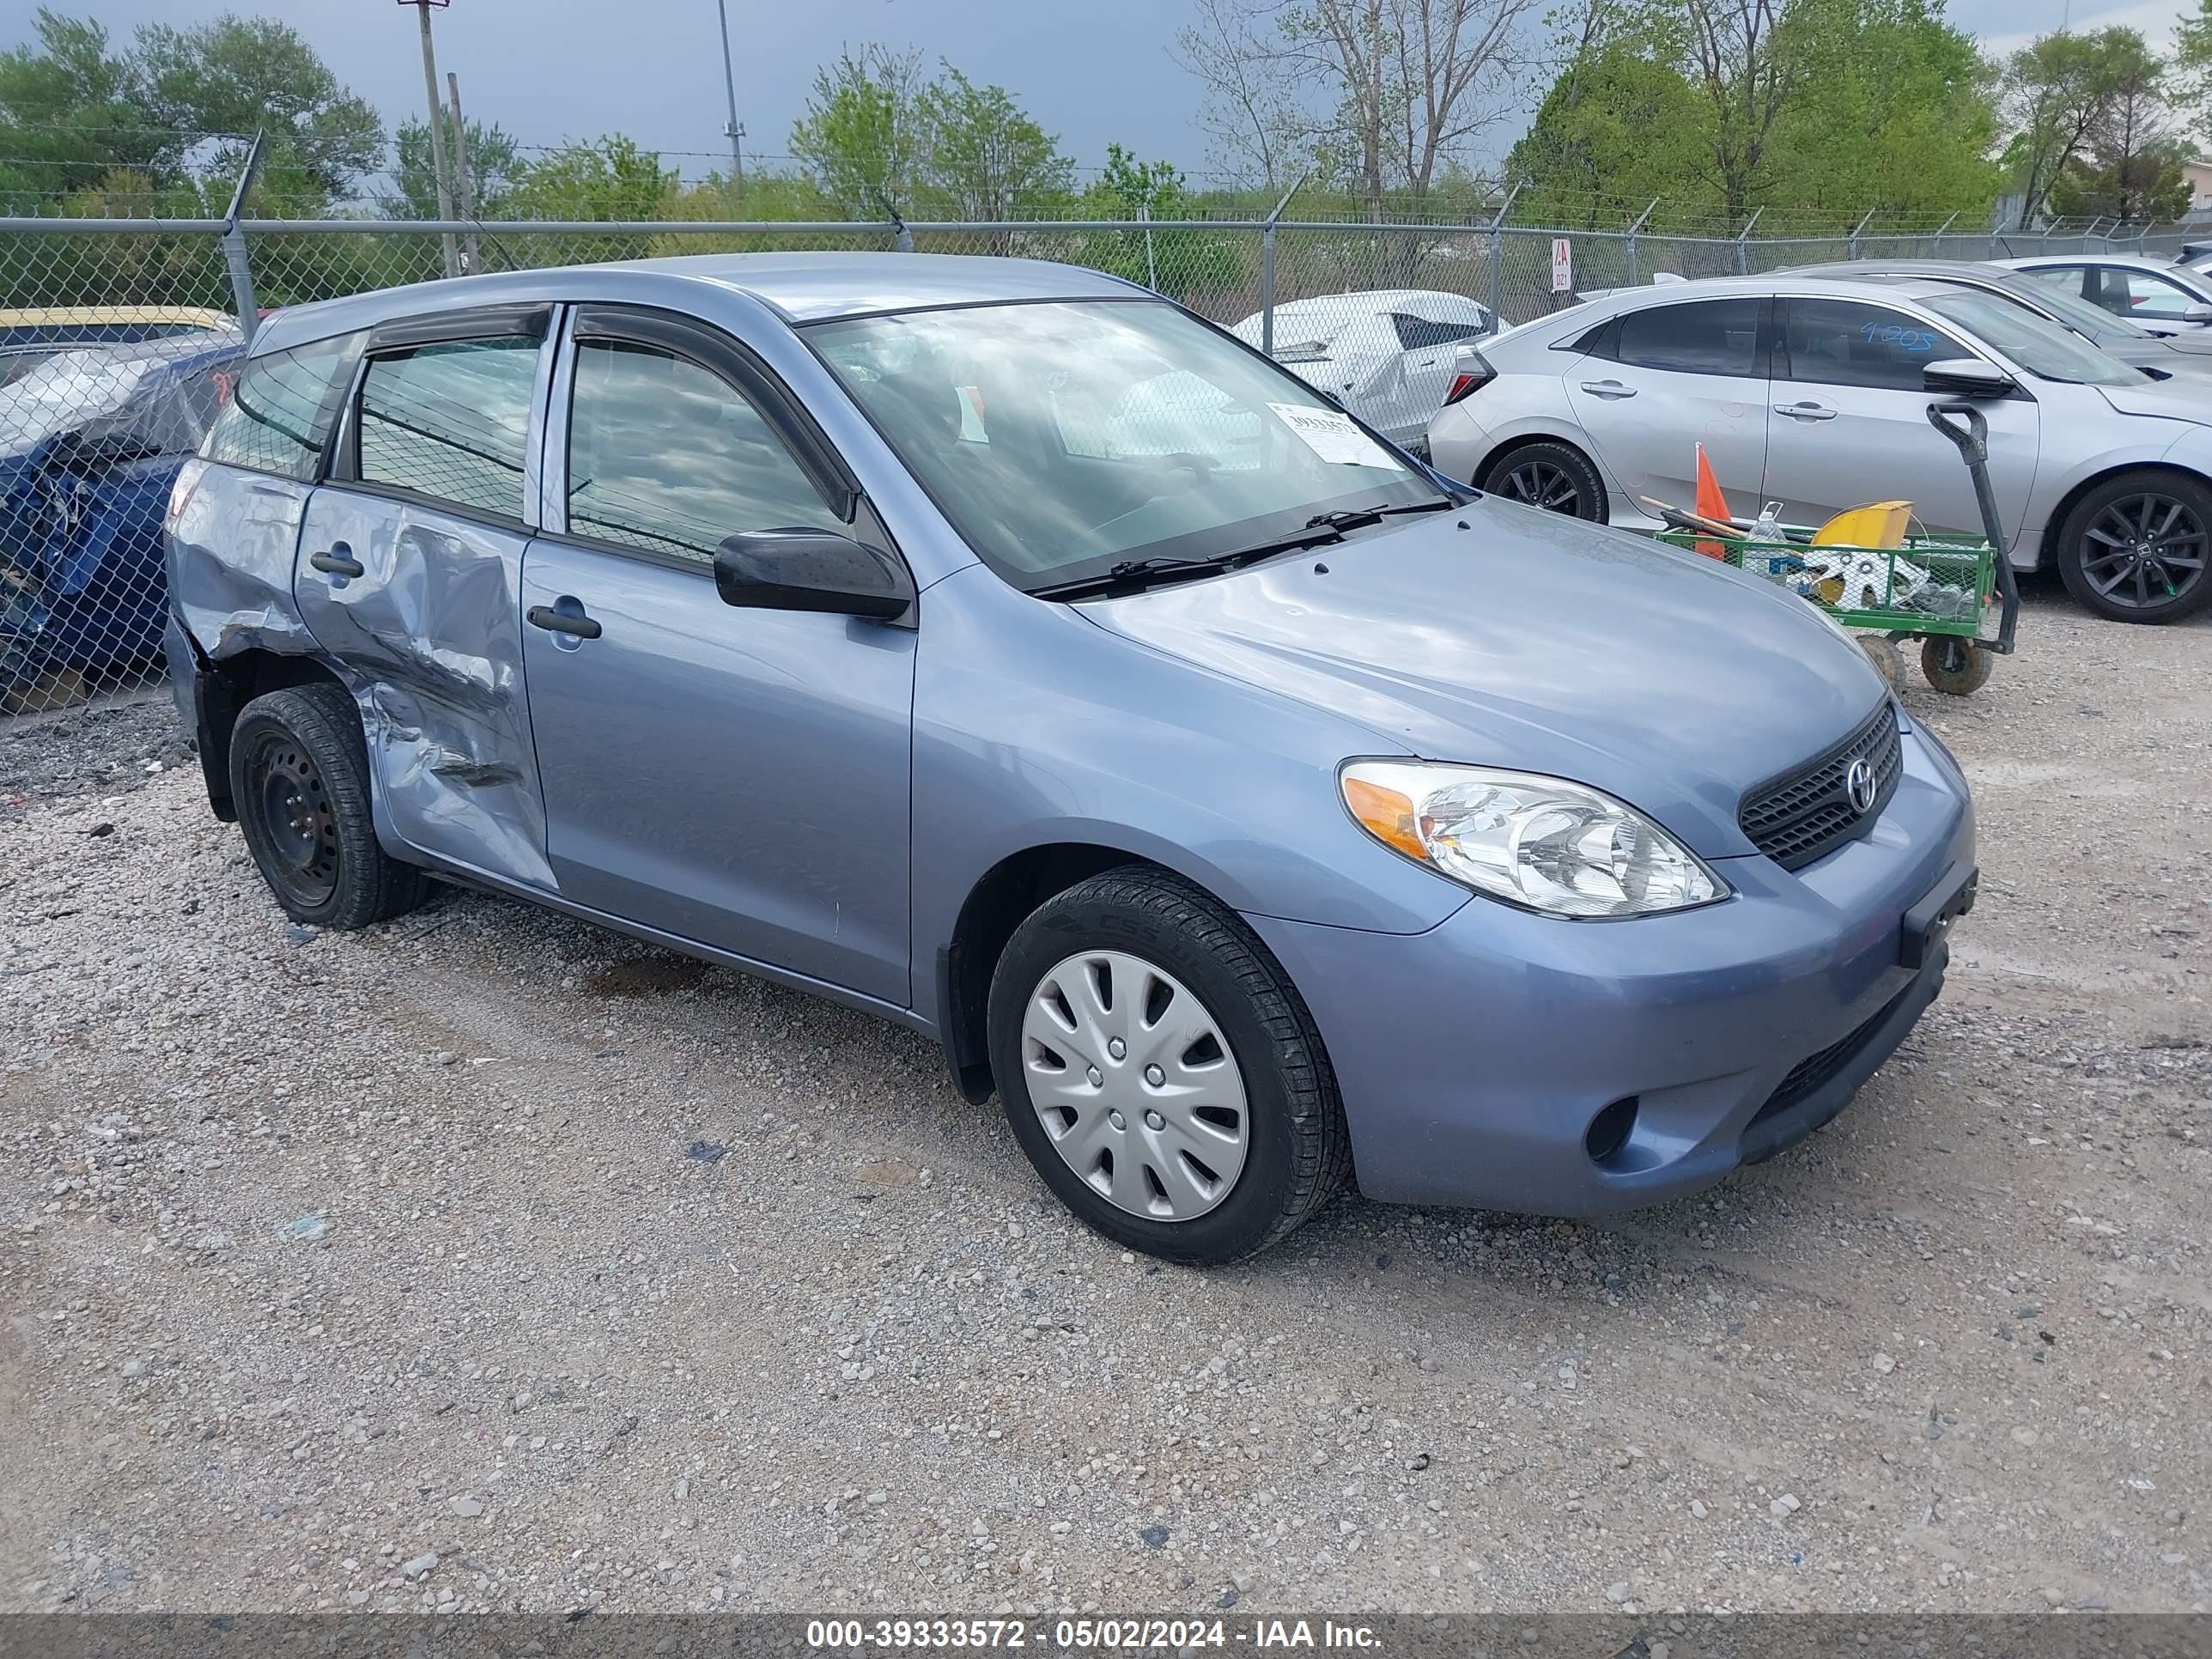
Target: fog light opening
[{"x": 1609, "y": 1130}]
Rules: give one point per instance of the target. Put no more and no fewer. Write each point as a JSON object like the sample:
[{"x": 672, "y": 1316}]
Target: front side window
[
  {"x": 1710, "y": 336},
  {"x": 280, "y": 416},
  {"x": 449, "y": 422},
  {"x": 1063, "y": 438},
  {"x": 2152, "y": 297},
  {"x": 1845, "y": 343},
  {"x": 666, "y": 456}
]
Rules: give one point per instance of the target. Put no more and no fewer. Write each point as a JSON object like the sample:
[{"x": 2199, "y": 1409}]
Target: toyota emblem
[{"x": 1858, "y": 786}]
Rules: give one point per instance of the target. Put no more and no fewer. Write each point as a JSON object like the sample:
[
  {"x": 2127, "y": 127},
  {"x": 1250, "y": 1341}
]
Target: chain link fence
[{"x": 119, "y": 340}]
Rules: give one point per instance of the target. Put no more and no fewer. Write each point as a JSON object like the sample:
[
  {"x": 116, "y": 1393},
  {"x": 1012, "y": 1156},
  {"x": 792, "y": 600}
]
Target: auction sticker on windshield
[{"x": 1334, "y": 436}]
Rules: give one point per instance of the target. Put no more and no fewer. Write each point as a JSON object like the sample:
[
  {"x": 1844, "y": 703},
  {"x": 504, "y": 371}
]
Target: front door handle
[
  {"x": 338, "y": 561},
  {"x": 563, "y": 621},
  {"x": 1806, "y": 411},
  {"x": 1608, "y": 389}
]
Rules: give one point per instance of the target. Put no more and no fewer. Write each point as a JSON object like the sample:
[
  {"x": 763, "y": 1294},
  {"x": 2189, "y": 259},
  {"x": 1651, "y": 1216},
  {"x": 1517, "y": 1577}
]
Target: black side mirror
[
  {"x": 811, "y": 570},
  {"x": 1965, "y": 377}
]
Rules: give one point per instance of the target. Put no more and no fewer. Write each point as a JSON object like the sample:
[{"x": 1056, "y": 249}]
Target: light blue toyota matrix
[{"x": 998, "y": 647}]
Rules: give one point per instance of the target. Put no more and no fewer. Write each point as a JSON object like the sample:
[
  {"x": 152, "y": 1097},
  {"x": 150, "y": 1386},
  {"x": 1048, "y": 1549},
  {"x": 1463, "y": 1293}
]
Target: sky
[{"x": 551, "y": 70}]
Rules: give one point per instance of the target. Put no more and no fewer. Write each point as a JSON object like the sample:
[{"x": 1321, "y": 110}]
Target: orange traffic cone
[{"x": 1711, "y": 504}]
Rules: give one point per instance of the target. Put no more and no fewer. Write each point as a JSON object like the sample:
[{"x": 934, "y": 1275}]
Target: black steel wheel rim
[
  {"x": 2143, "y": 549},
  {"x": 1543, "y": 483},
  {"x": 292, "y": 810}
]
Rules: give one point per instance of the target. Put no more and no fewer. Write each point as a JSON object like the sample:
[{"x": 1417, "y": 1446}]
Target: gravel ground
[{"x": 488, "y": 1260}]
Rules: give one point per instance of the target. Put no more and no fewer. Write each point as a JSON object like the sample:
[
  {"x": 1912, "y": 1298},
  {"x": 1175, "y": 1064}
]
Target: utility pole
[
  {"x": 735, "y": 132},
  {"x": 465, "y": 184},
  {"x": 437, "y": 131}
]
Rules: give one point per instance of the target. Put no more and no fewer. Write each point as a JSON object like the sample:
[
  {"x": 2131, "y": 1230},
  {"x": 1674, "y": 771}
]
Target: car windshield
[
  {"x": 1065, "y": 438},
  {"x": 2036, "y": 343},
  {"x": 2095, "y": 321}
]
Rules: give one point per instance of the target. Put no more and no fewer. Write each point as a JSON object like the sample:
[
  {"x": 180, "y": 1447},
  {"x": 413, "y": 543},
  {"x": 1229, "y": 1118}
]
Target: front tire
[
  {"x": 2134, "y": 548},
  {"x": 299, "y": 775},
  {"x": 1556, "y": 476},
  {"x": 1161, "y": 1072}
]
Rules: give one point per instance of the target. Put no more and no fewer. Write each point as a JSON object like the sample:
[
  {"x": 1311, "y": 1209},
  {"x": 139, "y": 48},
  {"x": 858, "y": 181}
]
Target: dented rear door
[{"x": 409, "y": 576}]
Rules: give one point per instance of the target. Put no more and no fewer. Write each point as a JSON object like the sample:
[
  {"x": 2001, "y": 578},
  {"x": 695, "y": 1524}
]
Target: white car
[
  {"x": 1814, "y": 392},
  {"x": 2156, "y": 293},
  {"x": 1386, "y": 356}
]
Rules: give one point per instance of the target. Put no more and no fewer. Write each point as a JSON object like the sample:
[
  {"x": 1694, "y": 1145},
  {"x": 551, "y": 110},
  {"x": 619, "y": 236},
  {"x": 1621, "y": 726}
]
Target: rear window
[
  {"x": 279, "y": 418},
  {"x": 1708, "y": 337}
]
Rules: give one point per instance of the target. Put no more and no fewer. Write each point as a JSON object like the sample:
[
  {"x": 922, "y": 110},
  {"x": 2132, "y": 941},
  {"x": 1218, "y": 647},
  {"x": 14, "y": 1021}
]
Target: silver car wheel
[{"x": 1135, "y": 1085}]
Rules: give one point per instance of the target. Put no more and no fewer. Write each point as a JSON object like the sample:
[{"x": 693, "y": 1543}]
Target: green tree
[
  {"x": 983, "y": 157},
  {"x": 1812, "y": 109},
  {"x": 2130, "y": 169},
  {"x": 495, "y": 167},
  {"x": 1193, "y": 265},
  {"x": 863, "y": 135},
  {"x": 1620, "y": 127},
  {"x": 2058, "y": 95},
  {"x": 240, "y": 74},
  {"x": 608, "y": 178},
  {"x": 68, "y": 116}
]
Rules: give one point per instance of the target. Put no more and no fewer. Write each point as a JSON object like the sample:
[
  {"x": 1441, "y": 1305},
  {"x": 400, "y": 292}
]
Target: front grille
[{"x": 1807, "y": 814}]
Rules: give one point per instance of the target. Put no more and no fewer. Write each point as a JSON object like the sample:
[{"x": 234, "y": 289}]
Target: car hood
[
  {"x": 2181, "y": 398},
  {"x": 1540, "y": 643}
]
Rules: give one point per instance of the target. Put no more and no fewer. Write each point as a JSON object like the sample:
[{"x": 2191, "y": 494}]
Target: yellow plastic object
[{"x": 1882, "y": 523}]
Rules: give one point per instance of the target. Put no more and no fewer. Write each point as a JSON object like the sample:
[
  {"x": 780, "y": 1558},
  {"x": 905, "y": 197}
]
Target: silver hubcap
[{"x": 1135, "y": 1087}]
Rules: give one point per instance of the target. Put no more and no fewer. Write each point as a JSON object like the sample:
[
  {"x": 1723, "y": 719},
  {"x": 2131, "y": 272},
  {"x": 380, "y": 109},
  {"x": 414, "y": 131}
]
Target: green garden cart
[{"x": 1940, "y": 590}]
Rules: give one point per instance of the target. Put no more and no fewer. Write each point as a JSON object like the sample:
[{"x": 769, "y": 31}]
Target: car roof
[
  {"x": 87, "y": 316},
  {"x": 1956, "y": 269},
  {"x": 2138, "y": 261},
  {"x": 800, "y": 288},
  {"x": 1761, "y": 287}
]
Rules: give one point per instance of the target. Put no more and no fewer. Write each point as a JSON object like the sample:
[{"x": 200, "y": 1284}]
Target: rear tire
[
  {"x": 299, "y": 775},
  {"x": 2122, "y": 550},
  {"x": 1093, "y": 999},
  {"x": 1554, "y": 476}
]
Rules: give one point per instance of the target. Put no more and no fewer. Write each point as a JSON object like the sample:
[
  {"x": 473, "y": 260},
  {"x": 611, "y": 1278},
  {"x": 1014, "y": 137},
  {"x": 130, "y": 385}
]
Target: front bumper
[{"x": 1473, "y": 1059}]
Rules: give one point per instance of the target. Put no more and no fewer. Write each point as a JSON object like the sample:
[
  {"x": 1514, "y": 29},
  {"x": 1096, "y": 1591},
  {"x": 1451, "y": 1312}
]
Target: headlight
[{"x": 1540, "y": 843}]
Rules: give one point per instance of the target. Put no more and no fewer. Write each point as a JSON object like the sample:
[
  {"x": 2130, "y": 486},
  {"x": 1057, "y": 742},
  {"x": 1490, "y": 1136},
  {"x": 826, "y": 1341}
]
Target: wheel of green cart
[
  {"x": 1953, "y": 666},
  {"x": 1887, "y": 659}
]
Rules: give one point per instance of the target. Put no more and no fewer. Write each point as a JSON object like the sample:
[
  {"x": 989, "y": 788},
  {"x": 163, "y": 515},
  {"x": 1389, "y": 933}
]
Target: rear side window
[
  {"x": 1843, "y": 343},
  {"x": 280, "y": 415},
  {"x": 450, "y": 421},
  {"x": 1709, "y": 336},
  {"x": 1416, "y": 332},
  {"x": 666, "y": 456}
]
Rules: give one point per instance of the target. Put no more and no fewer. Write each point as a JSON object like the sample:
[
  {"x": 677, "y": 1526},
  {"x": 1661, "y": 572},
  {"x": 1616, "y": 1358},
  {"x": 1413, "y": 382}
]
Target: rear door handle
[
  {"x": 338, "y": 561},
  {"x": 1806, "y": 411},
  {"x": 1608, "y": 389},
  {"x": 563, "y": 621}
]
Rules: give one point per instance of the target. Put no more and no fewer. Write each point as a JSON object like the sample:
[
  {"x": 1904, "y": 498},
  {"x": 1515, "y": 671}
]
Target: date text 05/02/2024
[{"x": 1084, "y": 1635}]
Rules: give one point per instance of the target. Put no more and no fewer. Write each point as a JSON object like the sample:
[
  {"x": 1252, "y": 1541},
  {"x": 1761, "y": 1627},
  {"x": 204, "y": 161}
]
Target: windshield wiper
[
  {"x": 1352, "y": 518},
  {"x": 1132, "y": 575}
]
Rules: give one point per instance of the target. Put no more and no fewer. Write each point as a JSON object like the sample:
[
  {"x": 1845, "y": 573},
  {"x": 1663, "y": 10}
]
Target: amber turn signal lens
[{"x": 1388, "y": 816}]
